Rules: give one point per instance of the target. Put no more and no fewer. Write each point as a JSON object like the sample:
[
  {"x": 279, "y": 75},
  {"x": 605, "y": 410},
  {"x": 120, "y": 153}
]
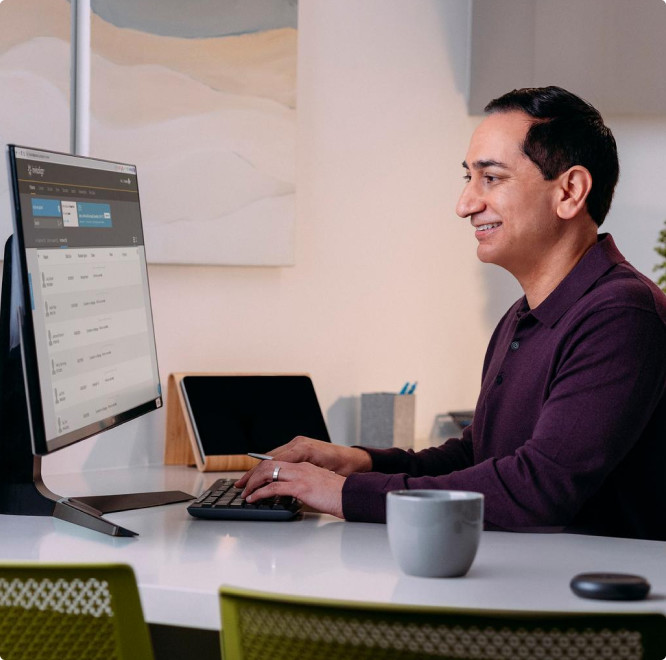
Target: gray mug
[{"x": 434, "y": 533}]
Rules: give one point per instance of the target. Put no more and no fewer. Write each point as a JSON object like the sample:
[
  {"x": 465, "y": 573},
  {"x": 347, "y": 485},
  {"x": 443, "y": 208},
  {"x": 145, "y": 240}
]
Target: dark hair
[{"x": 568, "y": 131}]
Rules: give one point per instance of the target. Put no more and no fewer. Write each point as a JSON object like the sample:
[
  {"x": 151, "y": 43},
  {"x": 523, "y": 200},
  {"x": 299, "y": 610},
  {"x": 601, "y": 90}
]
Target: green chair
[
  {"x": 71, "y": 612},
  {"x": 256, "y": 626}
]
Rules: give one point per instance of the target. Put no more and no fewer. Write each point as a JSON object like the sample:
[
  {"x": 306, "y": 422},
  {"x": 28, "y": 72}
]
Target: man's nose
[{"x": 470, "y": 201}]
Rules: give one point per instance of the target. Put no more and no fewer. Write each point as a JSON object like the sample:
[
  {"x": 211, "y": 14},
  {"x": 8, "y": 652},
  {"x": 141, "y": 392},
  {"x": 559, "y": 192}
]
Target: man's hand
[
  {"x": 339, "y": 459},
  {"x": 310, "y": 470},
  {"x": 317, "y": 487}
]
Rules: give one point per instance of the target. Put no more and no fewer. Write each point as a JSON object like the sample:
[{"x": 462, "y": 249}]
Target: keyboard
[{"x": 221, "y": 501}]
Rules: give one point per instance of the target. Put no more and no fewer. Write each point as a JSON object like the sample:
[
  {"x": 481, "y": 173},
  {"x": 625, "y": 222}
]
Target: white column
[{"x": 80, "y": 78}]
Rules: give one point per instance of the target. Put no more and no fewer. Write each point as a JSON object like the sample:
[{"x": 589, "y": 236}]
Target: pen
[
  {"x": 412, "y": 388},
  {"x": 405, "y": 387},
  {"x": 261, "y": 457}
]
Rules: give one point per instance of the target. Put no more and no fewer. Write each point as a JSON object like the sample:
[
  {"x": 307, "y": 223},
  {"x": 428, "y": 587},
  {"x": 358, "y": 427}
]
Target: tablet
[{"x": 233, "y": 415}]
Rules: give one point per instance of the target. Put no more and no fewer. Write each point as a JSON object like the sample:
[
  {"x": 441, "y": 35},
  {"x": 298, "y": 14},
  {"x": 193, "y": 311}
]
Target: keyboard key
[{"x": 202, "y": 497}]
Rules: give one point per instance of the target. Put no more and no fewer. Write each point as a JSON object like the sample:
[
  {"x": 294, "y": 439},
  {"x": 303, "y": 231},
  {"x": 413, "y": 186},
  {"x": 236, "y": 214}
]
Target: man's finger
[{"x": 263, "y": 474}]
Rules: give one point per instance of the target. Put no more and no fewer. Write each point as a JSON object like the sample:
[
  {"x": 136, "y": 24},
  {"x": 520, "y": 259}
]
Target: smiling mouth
[{"x": 488, "y": 227}]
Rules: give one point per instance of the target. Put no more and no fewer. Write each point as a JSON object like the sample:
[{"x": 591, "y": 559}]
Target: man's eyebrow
[{"x": 481, "y": 164}]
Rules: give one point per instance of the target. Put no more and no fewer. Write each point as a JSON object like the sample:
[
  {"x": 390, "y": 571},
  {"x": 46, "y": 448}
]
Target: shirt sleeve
[
  {"x": 454, "y": 454},
  {"x": 610, "y": 378},
  {"x": 365, "y": 499}
]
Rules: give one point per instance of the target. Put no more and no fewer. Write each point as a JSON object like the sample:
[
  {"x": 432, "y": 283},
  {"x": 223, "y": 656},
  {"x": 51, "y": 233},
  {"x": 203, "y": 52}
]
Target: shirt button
[
  {"x": 499, "y": 379},
  {"x": 514, "y": 345}
]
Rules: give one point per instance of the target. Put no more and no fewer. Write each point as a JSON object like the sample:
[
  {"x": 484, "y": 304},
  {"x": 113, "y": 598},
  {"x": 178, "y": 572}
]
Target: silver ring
[{"x": 276, "y": 472}]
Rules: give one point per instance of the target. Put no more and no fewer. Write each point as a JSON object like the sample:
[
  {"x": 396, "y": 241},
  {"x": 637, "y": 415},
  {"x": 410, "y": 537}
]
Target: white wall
[
  {"x": 639, "y": 207},
  {"x": 386, "y": 286}
]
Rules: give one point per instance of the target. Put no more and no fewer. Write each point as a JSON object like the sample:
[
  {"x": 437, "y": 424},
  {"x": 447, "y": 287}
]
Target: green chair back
[
  {"x": 71, "y": 612},
  {"x": 256, "y": 626}
]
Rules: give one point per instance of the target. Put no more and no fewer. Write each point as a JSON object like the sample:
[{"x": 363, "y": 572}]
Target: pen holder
[{"x": 387, "y": 420}]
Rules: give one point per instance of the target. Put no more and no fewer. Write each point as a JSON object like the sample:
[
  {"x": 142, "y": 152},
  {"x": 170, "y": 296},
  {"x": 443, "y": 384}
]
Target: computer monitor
[{"x": 77, "y": 329}]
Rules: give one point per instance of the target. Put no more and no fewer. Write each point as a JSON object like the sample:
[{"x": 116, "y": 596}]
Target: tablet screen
[{"x": 239, "y": 414}]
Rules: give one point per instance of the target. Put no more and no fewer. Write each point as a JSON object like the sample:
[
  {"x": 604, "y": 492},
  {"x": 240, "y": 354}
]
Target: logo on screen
[{"x": 35, "y": 171}]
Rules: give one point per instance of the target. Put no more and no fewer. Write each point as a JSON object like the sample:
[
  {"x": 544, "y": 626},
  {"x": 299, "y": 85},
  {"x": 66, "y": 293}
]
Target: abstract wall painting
[{"x": 201, "y": 96}]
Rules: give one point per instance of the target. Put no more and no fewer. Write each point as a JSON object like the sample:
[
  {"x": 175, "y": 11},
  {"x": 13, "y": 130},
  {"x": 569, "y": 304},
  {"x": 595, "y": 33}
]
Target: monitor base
[
  {"x": 87, "y": 511},
  {"x": 84, "y": 516},
  {"x": 128, "y": 501}
]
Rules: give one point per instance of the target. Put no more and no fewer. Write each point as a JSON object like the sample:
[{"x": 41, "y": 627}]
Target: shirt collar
[{"x": 597, "y": 261}]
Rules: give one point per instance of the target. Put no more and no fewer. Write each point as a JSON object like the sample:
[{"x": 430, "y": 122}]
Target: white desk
[{"x": 180, "y": 562}]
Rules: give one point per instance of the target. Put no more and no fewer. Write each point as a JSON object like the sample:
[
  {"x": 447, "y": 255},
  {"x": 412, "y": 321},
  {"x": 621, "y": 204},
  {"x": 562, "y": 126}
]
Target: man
[{"x": 569, "y": 432}]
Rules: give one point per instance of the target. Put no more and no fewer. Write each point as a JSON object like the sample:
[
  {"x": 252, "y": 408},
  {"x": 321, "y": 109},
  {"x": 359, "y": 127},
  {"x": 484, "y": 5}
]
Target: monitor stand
[{"x": 22, "y": 490}]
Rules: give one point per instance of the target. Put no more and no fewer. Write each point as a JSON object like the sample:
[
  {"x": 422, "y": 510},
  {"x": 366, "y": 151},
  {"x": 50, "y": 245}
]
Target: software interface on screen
[{"x": 89, "y": 296}]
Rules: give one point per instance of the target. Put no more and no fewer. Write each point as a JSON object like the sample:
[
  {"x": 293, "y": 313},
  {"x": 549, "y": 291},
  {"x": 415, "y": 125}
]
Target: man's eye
[
  {"x": 490, "y": 178},
  {"x": 467, "y": 177}
]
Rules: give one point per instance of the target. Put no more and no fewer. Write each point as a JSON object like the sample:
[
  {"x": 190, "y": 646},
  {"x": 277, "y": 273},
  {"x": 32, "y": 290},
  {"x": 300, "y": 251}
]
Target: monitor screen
[{"x": 87, "y": 341}]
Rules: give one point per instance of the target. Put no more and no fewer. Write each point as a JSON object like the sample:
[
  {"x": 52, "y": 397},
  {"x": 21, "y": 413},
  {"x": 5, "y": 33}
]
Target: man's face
[{"x": 511, "y": 206}]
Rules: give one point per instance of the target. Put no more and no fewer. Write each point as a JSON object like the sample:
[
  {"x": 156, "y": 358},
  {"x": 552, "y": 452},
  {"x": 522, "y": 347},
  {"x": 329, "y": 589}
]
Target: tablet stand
[{"x": 181, "y": 446}]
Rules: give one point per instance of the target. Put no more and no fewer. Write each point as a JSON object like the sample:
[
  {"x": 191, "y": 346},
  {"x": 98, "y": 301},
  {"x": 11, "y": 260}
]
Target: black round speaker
[{"x": 610, "y": 586}]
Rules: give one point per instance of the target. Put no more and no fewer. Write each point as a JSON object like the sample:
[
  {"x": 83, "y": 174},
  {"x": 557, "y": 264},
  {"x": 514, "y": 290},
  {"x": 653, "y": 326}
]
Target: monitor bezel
[{"x": 40, "y": 444}]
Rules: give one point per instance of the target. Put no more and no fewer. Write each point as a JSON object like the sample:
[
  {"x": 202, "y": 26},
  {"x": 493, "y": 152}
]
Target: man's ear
[{"x": 574, "y": 187}]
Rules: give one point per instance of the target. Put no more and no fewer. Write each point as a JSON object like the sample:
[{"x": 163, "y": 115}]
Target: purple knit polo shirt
[{"x": 569, "y": 432}]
